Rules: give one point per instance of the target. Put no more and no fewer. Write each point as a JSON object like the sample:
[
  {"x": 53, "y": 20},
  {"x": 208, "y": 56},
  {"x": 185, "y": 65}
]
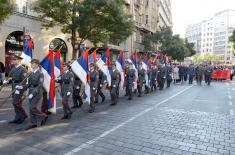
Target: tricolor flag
[
  {"x": 121, "y": 67},
  {"x": 103, "y": 63},
  {"x": 145, "y": 67},
  {"x": 81, "y": 69},
  {"x": 28, "y": 47},
  {"x": 49, "y": 80},
  {"x": 92, "y": 57},
  {"x": 58, "y": 65}
]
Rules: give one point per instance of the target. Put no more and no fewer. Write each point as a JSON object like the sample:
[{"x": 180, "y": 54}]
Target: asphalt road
[{"x": 183, "y": 119}]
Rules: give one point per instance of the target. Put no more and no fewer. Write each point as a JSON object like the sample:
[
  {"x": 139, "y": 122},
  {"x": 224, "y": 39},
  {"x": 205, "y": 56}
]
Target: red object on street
[{"x": 221, "y": 74}]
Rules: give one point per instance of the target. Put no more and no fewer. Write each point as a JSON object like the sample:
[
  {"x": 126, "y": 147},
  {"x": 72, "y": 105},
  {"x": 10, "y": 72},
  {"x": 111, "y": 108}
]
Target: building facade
[{"x": 214, "y": 34}]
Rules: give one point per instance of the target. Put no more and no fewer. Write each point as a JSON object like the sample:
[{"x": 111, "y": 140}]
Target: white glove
[
  {"x": 93, "y": 88},
  {"x": 68, "y": 93},
  {"x": 19, "y": 87},
  {"x": 30, "y": 96},
  {"x": 17, "y": 92},
  {"x": 5, "y": 82},
  {"x": 77, "y": 87},
  {"x": 101, "y": 85},
  {"x": 114, "y": 85}
]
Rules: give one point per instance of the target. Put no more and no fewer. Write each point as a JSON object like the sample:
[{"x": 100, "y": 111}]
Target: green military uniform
[
  {"x": 77, "y": 93},
  {"x": 67, "y": 81},
  {"x": 94, "y": 79},
  {"x": 140, "y": 82},
  {"x": 208, "y": 73},
  {"x": 115, "y": 81},
  {"x": 200, "y": 72},
  {"x": 18, "y": 74},
  {"x": 35, "y": 85},
  {"x": 130, "y": 82}
]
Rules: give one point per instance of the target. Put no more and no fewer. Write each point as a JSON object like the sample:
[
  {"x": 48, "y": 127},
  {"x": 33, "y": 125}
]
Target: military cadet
[
  {"x": 115, "y": 81},
  {"x": 94, "y": 79},
  {"x": 67, "y": 81},
  {"x": 154, "y": 78},
  {"x": 141, "y": 79},
  {"x": 200, "y": 72},
  {"x": 169, "y": 71},
  {"x": 35, "y": 86},
  {"x": 18, "y": 74},
  {"x": 77, "y": 93},
  {"x": 100, "y": 86},
  {"x": 130, "y": 80},
  {"x": 208, "y": 73},
  {"x": 191, "y": 73},
  {"x": 162, "y": 76},
  {"x": 148, "y": 83}
]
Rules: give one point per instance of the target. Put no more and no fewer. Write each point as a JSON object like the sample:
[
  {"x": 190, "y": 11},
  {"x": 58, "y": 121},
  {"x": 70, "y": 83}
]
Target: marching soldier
[
  {"x": 208, "y": 73},
  {"x": 141, "y": 79},
  {"x": 148, "y": 83},
  {"x": 77, "y": 93},
  {"x": 154, "y": 78},
  {"x": 67, "y": 81},
  {"x": 162, "y": 76},
  {"x": 169, "y": 71},
  {"x": 94, "y": 79},
  {"x": 115, "y": 81},
  {"x": 130, "y": 81},
  {"x": 100, "y": 86},
  {"x": 35, "y": 86},
  {"x": 200, "y": 72},
  {"x": 18, "y": 74}
]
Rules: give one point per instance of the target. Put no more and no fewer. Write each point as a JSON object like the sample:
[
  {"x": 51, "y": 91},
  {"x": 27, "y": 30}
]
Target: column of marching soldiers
[{"x": 73, "y": 88}]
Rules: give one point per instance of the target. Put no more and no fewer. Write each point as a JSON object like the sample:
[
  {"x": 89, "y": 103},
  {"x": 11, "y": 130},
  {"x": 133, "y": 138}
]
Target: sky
[{"x": 185, "y": 12}]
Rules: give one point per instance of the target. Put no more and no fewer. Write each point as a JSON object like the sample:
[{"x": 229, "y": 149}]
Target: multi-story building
[
  {"x": 215, "y": 34},
  {"x": 145, "y": 15},
  {"x": 193, "y": 35}
]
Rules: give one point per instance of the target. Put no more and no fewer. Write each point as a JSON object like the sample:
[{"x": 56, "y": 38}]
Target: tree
[
  {"x": 6, "y": 8},
  {"x": 205, "y": 58},
  {"x": 97, "y": 20}
]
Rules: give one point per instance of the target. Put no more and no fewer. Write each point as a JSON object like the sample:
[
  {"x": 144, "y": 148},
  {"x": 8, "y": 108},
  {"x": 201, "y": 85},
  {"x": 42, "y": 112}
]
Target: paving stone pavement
[{"x": 137, "y": 127}]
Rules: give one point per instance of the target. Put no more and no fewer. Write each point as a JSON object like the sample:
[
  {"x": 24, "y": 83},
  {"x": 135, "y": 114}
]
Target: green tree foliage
[
  {"x": 169, "y": 44},
  {"x": 205, "y": 58},
  {"x": 95, "y": 20},
  {"x": 6, "y": 9}
]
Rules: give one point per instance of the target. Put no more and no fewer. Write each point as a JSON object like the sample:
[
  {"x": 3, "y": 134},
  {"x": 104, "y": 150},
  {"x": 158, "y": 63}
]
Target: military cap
[
  {"x": 92, "y": 64},
  {"x": 16, "y": 57},
  {"x": 36, "y": 61}
]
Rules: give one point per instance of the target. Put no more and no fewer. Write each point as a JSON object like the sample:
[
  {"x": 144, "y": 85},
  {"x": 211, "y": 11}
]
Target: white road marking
[
  {"x": 231, "y": 112},
  {"x": 229, "y": 96},
  {"x": 3, "y": 121},
  {"x": 230, "y": 103},
  {"x": 87, "y": 144}
]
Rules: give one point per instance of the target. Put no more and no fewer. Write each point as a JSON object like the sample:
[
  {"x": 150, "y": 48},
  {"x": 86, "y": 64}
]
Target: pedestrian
[
  {"x": 2, "y": 70},
  {"x": 115, "y": 81},
  {"x": 208, "y": 73},
  {"x": 130, "y": 80},
  {"x": 18, "y": 74},
  {"x": 101, "y": 81},
  {"x": 35, "y": 86},
  {"x": 191, "y": 73},
  {"x": 94, "y": 79},
  {"x": 67, "y": 82},
  {"x": 141, "y": 79},
  {"x": 176, "y": 73}
]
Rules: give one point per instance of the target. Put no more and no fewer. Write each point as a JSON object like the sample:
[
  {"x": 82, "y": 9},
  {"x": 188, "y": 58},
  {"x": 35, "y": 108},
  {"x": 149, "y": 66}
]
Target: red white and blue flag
[
  {"x": 120, "y": 63},
  {"x": 81, "y": 69},
  {"x": 47, "y": 67},
  {"x": 103, "y": 63},
  {"x": 145, "y": 67},
  {"x": 92, "y": 57},
  {"x": 58, "y": 65},
  {"x": 132, "y": 60},
  {"x": 28, "y": 47}
]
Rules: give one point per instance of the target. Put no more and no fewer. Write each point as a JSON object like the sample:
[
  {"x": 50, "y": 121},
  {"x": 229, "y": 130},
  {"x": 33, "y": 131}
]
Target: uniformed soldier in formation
[
  {"x": 67, "y": 82},
  {"x": 115, "y": 81},
  {"x": 77, "y": 93},
  {"x": 148, "y": 83},
  {"x": 130, "y": 81},
  {"x": 154, "y": 78},
  {"x": 18, "y": 74},
  {"x": 94, "y": 79},
  {"x": 162, "y": 76},
  {"x": 35, "y": 86},
  {"x": 169, "y": 71},
  {"x": 200, "y": 72},
  {"x": 100, "y": 86},
  {"x": 208, "y": 73},
  {"x": 141, "y": 79}
]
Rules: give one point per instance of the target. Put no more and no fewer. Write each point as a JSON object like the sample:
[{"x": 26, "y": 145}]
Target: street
[{"x": 184, "y": 119}]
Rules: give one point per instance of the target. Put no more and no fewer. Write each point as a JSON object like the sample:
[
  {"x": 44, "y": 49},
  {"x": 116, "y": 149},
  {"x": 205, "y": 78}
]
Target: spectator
[{"x": 176, "y": 73}]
